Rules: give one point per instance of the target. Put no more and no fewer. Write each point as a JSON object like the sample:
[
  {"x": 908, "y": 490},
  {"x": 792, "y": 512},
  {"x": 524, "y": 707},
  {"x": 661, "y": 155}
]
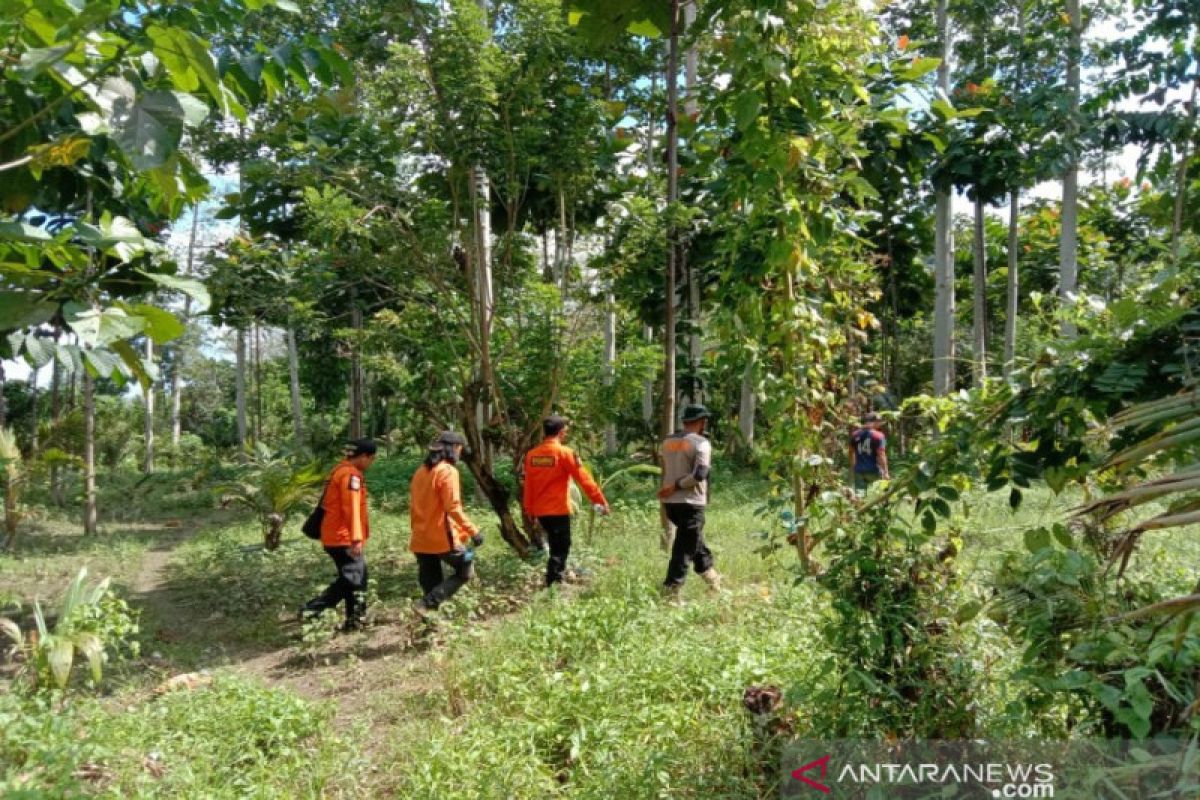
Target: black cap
[
  {"x": 360, "y": 447},
  {"x": 553, "y": 425},
  {"x": 871, "y": 416},
  {"x": 447, "y": 438},
  {"x": 695, "y": 412}
]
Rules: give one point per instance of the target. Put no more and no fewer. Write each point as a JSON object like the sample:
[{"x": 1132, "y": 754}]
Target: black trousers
[
  {"x": 558, "y": 531},
  {"x": 350, "y": 586},
  {"x": 689, "y": 548},
  {"x": 429, "y": 573}
]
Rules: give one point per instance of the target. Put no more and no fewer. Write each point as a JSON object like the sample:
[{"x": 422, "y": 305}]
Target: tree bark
[
  {"x": 979, "y": 315},
  {"x": 943, "y": 336},
  {"x": 148, "y": 415},
  {"x": 55, "y": 417},
  {"x": 648, "y": 389},
  {"x": 177, "y": 365},
  {"x": 356, "y": 374},
  {"x": 1181, "y": 173},
  {"x": 240, "y": 390},
  {"x": 610, "y": 365},
  {"x": 1068, "y": 245},
  {"x": 258, "y": 396},
  {"x": 294, "y": 387},
  {"x": 90, "y": 515},
  {"x": 33, "y": 413},
  {"x": 1012, "y": 295},
  {"x": 748, "y": 407},
  {"x": 668, "y": 414},
  {"x": 695, "y": 317}
]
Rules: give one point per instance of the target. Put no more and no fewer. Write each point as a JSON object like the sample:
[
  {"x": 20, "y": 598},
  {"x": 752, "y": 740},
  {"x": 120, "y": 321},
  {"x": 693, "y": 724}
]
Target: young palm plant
[
  {"x": 12, "y": 475},
  {"x": 273, "y": 488},
  {"x": 51, "y": 652}
]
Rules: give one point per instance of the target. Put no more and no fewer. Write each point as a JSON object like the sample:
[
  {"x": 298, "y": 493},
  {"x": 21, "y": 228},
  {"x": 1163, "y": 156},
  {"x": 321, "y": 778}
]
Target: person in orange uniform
[
  {"x": 441, "y": 531},
  {"x": 549, "y": 468},
  {"x": 344, "y": 533}
]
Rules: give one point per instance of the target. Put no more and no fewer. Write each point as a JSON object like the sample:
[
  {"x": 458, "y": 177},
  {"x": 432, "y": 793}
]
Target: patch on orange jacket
[
  {"x": 677, "y": 446},
  {"x": 541, "y": 461}
]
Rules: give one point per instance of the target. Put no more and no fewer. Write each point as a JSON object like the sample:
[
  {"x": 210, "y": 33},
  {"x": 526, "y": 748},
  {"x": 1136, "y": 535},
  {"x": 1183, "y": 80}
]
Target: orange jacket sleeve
[
  {"x": 352, "y": 507},
  {"x": 585, "y": 480},
  {"x": 449, "y": 489}
]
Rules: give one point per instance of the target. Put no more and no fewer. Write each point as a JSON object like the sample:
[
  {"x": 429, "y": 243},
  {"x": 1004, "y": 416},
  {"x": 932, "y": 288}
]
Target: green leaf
[
  {"x": 1037, "y": 539},
  {"x": 60, "y": 657},
  {"x": 159, "y": 324},
  {"x": 149, "y": 131},
  {"x": 968, "y": 611},
  {"x": 22, "y": 310},
  {"x": 187, "y": 59},
  {"x": 89, "y": 644},
  {"x": 191, "y": 287},
  {"x": 133, "y": 361},
  {"x": 1014, "y": 498},
  {"x": 918, "y": 69}
]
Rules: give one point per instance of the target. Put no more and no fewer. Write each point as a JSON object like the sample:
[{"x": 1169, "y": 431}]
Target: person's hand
[
  {"x": 356, "y": 549},
  {"x": 476, "y": 539},
  {"x": 600, "y": 509},
  {"x": 666, "y": 492}
]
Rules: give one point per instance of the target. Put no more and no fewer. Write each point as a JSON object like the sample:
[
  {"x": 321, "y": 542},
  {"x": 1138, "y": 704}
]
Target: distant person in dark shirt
[{"x": 868, "y": 453}]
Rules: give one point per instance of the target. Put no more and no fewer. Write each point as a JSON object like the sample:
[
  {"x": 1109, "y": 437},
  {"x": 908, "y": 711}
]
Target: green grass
[{"x": 597, "y": 691}]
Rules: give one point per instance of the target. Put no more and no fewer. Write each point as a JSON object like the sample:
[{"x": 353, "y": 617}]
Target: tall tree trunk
[
  {"x": 1012, "y": 295},
  {"x": 695, "y": 318},
  {"x": 610, "y": 365},
  {"x": 668, "y": 414},
  {"x": 240, "y": 391},
  {"x": 979, "y": 315},
  {"x": 648, "y": 389},
  {"x": 90, "y": 526},
  {"x": 3, "y": 398},
  {"x": 356, "y": 374},
  {"x": 33, "y": 413},
  {"x": 482, "y": 199},
  {"x": 1068, "y": 244},
  {"x": 562, "y": 266},
  {"x": 294, "y": 387},
  {"x": 748, "y": 406},
  {"x": 1181, "y": 173},
  {"x": 177, "y": 362},
  {"x": 55, "y": 417},
  {"x": 258, "y": 396},
  {"x": 943, "y": 335},
  {"x": 177, "y": 386},
  {"x": 148, "y": 416}
]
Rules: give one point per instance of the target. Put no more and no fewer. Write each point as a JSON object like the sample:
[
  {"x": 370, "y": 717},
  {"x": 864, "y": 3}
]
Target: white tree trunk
[
  {"x": 648, "y": 387},
  {"x": 177, "y": 364},
  {"x": 979, "y": 315},
  {"x": 1068, "y": 245},
  {"x": 357, "y": 380},
  {"x": 1012, "y": 295},
  {"x": 240, "y": 390},
  {"x": 90, "y": 515},
  {"x": 695, "y": 315},
  {"x": 668, "y": 413},
  {"x": 294, "y": 387},
  {"x": 148, "y": 421},
  {"x": 748, "y": 406},
  {"x": 610, "y": 365},
  {"x": 943, "y": 317}
]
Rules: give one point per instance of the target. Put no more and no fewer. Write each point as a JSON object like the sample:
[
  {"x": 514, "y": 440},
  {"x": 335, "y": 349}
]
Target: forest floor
[{"x": 598, "y": 689}]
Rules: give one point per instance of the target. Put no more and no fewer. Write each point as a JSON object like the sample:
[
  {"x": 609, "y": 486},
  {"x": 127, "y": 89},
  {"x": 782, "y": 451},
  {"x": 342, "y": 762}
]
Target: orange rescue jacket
[
  {"x": 549, "y": 467},
  {"x": 345, "y": 507},
  {"x": 435, "y": 510}
]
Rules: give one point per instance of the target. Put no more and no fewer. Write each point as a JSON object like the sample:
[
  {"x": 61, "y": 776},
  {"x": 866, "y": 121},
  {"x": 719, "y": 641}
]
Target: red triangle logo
[{"x": 823, "y": 764}]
